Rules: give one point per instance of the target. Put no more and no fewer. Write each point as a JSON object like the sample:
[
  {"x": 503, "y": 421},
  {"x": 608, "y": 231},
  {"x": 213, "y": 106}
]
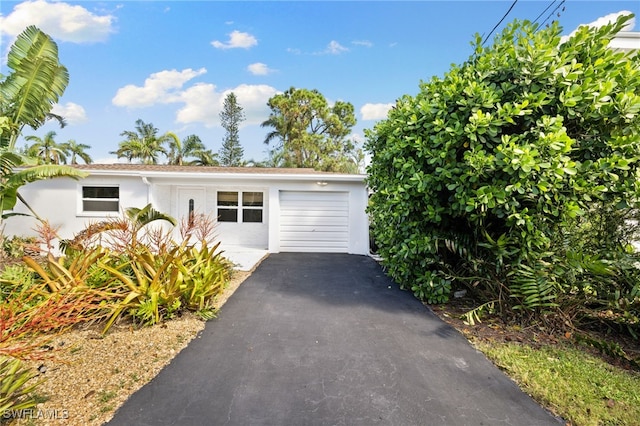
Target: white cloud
[
  {"x": 200, "y": 105},
  {"x": 259, "y": 69},
  {"x": 375, "y": 111},
  {"x": 60, "y": 20},
  {"x": 71, "y": 112},
  {"x": 237, "y": 39},
  {"x": 160, "y": 87},
  {"x": 604, "y": 20},
  {"x": 203, "y": 103},
  {"x": 253, "y": 99},
  {"x": 612, "y": 17},
  {"x": 335, "y": 48},
  {"x": 364, "y": 43},
  {"x": 200, "y": 102}
]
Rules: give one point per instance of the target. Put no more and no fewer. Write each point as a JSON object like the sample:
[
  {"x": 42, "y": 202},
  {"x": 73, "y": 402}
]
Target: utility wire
[
  {"x": 500, "y": 22},
  {"x": 551, "y": 14},
  {"x": 544, "y": 11}
]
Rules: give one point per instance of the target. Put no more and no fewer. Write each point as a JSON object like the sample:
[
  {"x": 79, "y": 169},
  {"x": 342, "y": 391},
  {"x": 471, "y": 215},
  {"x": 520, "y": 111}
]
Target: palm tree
[
  {"x": 76, "y": 150},
  {"x": 36, "y": 81},
  {"x": 191, "y": 146},
  {"x": 46, "y": 150},
  {"x": 32, "y": 88},
  {"x": 205, "y": 158},
  {"x": 143, "y": 144}
]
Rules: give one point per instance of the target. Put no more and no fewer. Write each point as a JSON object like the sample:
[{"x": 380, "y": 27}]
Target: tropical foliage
[
  {"x": 27, "y": 94},
  {"x": 46, "y": 150},
  {"x": 123, "y": 266},
  {"x": 310, "y": 133},
  {"x": 190, "y": 151},
  {"x": 515, "y": 177},
  {"x": 36, "y": 82},
  {"x": 16, "y": 386},
  {"x": 144, "y": 144},
  {"x": 76, "y": 150}
]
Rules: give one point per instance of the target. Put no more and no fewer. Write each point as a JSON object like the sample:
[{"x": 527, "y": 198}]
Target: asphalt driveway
[{"x": 328, "y": 339}]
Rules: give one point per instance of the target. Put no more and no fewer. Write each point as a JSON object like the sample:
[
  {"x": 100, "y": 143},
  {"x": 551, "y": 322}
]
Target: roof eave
[{"x": 312, "y": 177}]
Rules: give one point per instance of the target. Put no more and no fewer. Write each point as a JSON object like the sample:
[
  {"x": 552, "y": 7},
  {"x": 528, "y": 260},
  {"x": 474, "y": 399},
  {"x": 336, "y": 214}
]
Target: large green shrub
[{"x": 516, "y": 174}]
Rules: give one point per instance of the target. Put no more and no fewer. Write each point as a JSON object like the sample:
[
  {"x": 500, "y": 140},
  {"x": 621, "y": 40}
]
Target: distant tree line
[{"x": 305, "y": 132}]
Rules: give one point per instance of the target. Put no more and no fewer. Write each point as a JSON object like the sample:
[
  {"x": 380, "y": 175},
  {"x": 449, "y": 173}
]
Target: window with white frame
[
  {"x": 100, "y": 198},
  {"x": 245, "y": 206}
]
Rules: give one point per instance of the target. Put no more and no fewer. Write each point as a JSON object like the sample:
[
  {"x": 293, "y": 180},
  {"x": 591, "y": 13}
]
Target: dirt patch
[{"x": 494, "y": 329}]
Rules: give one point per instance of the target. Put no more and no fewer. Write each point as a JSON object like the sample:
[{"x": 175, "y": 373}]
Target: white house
[
  {"x": 276, "y": 210},
  {"x": 626, "y": 41}
]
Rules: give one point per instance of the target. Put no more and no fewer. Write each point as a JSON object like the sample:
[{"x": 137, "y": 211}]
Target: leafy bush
[
  {"x": 112, "y": 268},
  {"x": 15, "y": 393},
  {"x": 139, "y": 270},
  {"x": 15, "y": 246},
  {"x": 515, "y": 175},
  {"x": 204, "y": 272},
  {"x": 14, "y": 279}
]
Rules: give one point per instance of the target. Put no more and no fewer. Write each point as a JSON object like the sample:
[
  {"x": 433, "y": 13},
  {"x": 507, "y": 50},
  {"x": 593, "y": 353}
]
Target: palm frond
[
  {"x": 147, "y": 214},
  {"x": 36, "y": 83},
  {"x": 40, "y": 172}
]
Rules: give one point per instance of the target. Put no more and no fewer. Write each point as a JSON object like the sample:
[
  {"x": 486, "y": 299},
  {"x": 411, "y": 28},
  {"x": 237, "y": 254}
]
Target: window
[
  {"x": 249, "y": 203},
  {"x": 100, "y": 198},
  {"x": 252, "y": 207},
  {"x": 229, "y": 203}
]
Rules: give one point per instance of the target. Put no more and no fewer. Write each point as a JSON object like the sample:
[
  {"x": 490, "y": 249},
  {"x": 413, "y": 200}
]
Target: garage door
[{"x": 314, "y": 221}]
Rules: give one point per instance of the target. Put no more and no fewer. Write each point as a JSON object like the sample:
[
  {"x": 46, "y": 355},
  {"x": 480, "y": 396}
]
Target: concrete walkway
[{"x": 327, "y": 339}]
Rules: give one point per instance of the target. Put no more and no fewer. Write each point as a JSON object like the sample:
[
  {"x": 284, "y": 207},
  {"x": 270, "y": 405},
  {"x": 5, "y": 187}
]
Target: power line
[
  {"x": 554, "y": 11},
  {"x": 500, "y": 22},
  {"x": 544, "y": 11}
]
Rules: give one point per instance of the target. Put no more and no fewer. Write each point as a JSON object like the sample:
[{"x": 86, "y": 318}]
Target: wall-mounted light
[{"x": 322, "y": 183}]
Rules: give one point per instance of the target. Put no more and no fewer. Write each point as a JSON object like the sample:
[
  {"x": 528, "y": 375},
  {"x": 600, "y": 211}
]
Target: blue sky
[{"x": 171, "y": 63}]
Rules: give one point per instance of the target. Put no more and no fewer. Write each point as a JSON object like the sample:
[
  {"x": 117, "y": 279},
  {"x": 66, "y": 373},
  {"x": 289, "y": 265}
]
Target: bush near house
[
  {"x": 122, "y": 267},
  {"x": 515, "y": 177}
]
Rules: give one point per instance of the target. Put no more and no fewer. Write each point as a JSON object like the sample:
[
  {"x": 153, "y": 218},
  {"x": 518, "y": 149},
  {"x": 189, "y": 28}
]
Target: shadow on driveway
[{"x": 328, "y": 339}]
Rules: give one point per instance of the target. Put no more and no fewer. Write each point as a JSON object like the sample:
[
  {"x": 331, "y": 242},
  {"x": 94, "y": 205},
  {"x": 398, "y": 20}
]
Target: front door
[{"x": 191, "y": 201}]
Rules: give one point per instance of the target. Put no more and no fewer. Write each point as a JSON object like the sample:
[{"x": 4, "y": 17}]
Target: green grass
[
  {"x": 582, "y": 389},
  {"x": 106, "y": 396}
]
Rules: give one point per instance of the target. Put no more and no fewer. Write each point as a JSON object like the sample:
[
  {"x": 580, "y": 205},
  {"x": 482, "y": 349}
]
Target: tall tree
[
  {"x": 231, "y": 116},
  {"x": 310, "y": 133},
  {"x": 46, "y": 150},
  {"x": 190, "y": 151},
  {"x": 36, "y": 81},
  {"x": 144, "y": 143},
  {"x": 77, "y": 150}
]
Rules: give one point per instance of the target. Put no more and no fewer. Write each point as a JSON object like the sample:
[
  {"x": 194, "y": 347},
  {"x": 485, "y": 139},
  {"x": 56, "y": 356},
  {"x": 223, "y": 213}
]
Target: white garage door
[{"x": 314, "y": 221}]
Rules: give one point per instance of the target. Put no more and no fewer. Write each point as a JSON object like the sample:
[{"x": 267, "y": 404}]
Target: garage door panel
[
  {"x": 320, "y": 246},
  {"x": 293, "y": 214},
  {"x": 316, "y": 236},
  {"x": 314, "y": 228},
  {"x": 325, "y": 207},
  {"x": 314, "y": 221},
  {"x": 305, "y": 195}
]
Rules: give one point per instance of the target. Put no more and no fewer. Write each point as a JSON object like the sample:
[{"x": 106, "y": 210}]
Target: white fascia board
[
  {"x": 626, "y": 40},
  {"x": 229, "y": 176}
]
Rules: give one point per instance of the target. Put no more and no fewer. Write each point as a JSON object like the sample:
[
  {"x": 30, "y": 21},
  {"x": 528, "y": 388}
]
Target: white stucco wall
[{"x": 60, "y": 201}]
